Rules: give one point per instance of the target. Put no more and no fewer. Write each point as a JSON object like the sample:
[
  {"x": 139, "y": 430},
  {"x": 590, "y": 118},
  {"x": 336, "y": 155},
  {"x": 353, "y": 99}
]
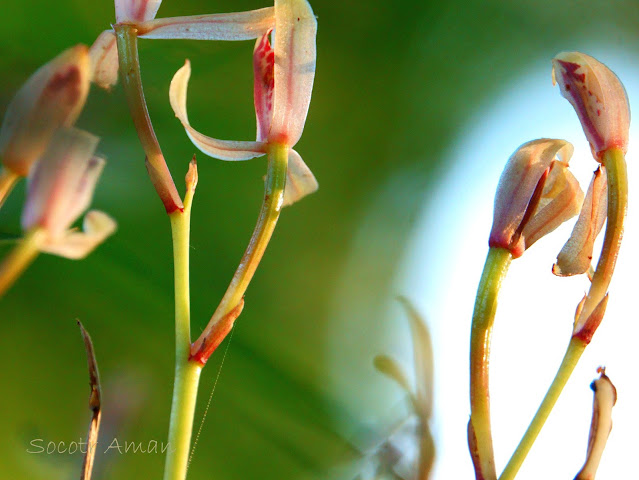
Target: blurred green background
[{"x": 394, "y": 82}]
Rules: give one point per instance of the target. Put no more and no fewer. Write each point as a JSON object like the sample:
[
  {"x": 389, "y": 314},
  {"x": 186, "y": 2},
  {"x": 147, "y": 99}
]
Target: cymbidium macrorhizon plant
[
  {"x": 37, "y": 139},
  {"x": 536, "y": 193}
]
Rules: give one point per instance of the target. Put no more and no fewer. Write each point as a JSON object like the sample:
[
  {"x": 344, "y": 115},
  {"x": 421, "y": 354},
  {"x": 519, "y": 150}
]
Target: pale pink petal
[
  {"x": 300, "y": 181},
  {"x": 52, "y": 98},
  {"x": 96, "y": 228},
  {"x": 221, "y": 149},
  {"x": 104, "y": 60},
  {"x": 295, "y": 31},
  {"x": 597, "y": 96},
  {"x": 560, "y": 201},
  {"x": 224, "y": 26},
  {"x": 135, "y": 11},
  {"x": 62, "y": 182},
  {"x": 576, "y": 255},
  {"x": 263, "y": 64},
  {"x": 517, "y": 185}
]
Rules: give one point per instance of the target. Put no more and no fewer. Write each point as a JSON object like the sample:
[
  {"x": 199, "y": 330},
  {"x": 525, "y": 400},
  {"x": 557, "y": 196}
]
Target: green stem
[
  {"x": 585, "y": 325},
  {"x": 8, "y": 179},
  {"x": 269, "y": 214},
  {"x": 187, "y": 373},
  {"x": 479, "y": 431},
  {"x": 20, "y": 258},
  {"x": 127, "y": 41},
  {"x": 575, "y": 348}
]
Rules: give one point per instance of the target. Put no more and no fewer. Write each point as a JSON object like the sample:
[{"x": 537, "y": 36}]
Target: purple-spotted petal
[
  {"x": 576, "y": 255},
  {"x": 263, "y": 66},
  {"x": 221, "y": 149},
  {"x": 295, "y": 32},
  {"x": 96, "y": 228},
  {"x": 224, "y": 26},
  {"x": 104, "y": 60},
  {"x": 300, "y": 181},
  {"x": 135, "y": 11},
  {"x": 597, "y": 96}
]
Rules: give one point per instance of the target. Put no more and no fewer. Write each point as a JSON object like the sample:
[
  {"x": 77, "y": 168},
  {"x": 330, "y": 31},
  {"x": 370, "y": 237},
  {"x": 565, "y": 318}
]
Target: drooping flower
[
  {"x": 282, "y": 91},
  {"x": 60, "y": 189},
  {"x": 597, "y": 96},
  {"x": 536, "y": 194},
  {"x": 52, "y": 98}
]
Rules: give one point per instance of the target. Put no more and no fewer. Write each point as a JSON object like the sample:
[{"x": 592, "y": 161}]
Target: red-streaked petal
[
  {"x": 223, "y": 26},
  {"x": 53, "y": 97},
  {"x": 517, "y": 185},
  {"x": 134, "y": 11},
  {"x": 104, "y": 60},
  {"x": 576, "y": 255},
  {"x": 222, "y": 149},
  {"x": 263, "y": 71},
  {"x": 300, "y": 181},
  {"x": 96, "y": 228},
  {"x": 62, "y": 182},
  {"x": 597, "y": 96},
  {"x": 295, "y": 52},
  {"x": 560, "y": 201}
]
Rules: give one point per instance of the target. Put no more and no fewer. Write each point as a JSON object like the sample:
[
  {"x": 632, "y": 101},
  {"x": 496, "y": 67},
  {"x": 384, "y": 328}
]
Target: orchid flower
[
  {"x": 141, "y": 13},
  {"x": 536, "y": 194},
  {"x": 597, "y": 96},
  {"x": 282, "y": 92},
  {"x": 60, "y": 190},
  {"x": 52, "y": 98}
]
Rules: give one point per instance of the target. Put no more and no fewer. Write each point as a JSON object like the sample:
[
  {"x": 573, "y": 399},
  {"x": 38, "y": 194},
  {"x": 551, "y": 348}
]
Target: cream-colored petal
[
  {"x": 598, "y": 97},
  {"x": 560, "y": 201},
  {"x": 576, "y": 255},
  {"x": 605, "y": 398},
  {"x": 300, "y": 181},
  {"x": 104, "y": 60},
  {"x": 62, "y": 182},
  {"x": 224, "y": 26},
  {"x": 221, "y": 149},
  {"x": 295, "y": 53},
  {"x": 135, "y": 11},
  {"x": 97, "y": 227},
  {"x": 53, "y": 97},
  {"x": 517, "y": 186}
]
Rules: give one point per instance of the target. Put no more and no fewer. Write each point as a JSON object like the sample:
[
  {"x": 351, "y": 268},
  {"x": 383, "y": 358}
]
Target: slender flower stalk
[
  {"x": 187, "y": 373},
  {"x": 132, "y": 83},
  {"x": 8, "y": 180},
  {"x": 590, "y": 312},
  {"x": 600, "y": 102},
  {"x": 20, "y": 258},
  {"x": 479, "y": 430}
]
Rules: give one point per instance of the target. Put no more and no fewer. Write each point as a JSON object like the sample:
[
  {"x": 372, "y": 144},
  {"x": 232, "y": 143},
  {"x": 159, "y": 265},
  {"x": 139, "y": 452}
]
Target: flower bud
[
  {"x": 597, "y": 96},
  {"x": 536, "y": 194},
  {"x": 133, "y": 11},
  {"x": 52, "y": 98},
  {"x": 62, "y": 183}
]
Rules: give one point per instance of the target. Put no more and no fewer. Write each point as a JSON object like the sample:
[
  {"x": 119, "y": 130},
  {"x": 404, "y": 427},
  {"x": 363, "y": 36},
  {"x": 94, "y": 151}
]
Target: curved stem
[
  {"x": 269, "y": 214},
  {"x": 575, "y": 348},
  {"x": 615, "y": 165},
  {"x": 8, "y": 179},
  {"x": 187, "y": 373},
  {"x": 127, "y": 42},
  {"x": 479, "y": 431},
  {"x": 20, "y": 258},
  {"x": 590, "y": 316}
]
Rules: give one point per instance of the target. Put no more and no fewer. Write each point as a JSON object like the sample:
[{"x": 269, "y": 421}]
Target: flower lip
[{"x": 598, "y": 97}]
